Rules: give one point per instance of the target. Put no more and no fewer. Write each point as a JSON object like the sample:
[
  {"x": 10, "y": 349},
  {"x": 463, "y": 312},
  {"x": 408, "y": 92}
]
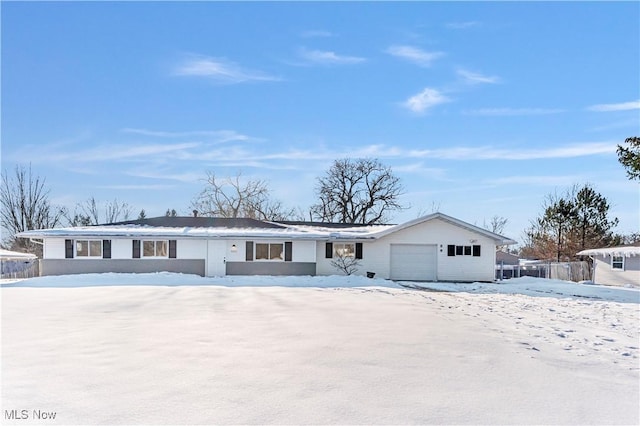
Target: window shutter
[
  {"x": 249, "y": 251},
  {"x": 288, "y": 251},
  {"x": 106, "y": 249},
  {"x": 68, "y": 249},
  {"x": 136, "y": 249},
  {"x": 173, "y": 252},
  {"x": 358, "y": 250},
  {"x": 328, "y": 250},
  {"x": 451, "y": 250},
  {"x": 476, "y": 251}
]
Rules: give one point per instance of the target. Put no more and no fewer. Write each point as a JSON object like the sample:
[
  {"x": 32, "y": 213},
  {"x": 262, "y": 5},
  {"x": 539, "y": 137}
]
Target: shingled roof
[{"x": 199, "y": 222}]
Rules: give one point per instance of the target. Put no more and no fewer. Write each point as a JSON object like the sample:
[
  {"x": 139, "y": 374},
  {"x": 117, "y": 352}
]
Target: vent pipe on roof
[{"x": 195, "y": 213}]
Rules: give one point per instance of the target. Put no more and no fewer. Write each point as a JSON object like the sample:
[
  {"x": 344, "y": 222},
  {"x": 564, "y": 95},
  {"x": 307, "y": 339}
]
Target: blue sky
[{"x": 481, "y": 109}]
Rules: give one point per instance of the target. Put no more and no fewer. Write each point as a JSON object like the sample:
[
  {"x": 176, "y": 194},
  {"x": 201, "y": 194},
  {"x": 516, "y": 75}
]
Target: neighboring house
[
  {"x": 15, "y": 264},
  {"x": 615, "y": 265},
  {"x": 506, "y": 265},
  {"x": 436, "y": 247}
]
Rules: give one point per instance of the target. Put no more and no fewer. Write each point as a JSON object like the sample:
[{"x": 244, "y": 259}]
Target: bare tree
[
  {"x": 348, "y": 264},
  {"x": 235, "y": 197},
  {"x": 357, "y": 191},
  {"x": 93, "y": 212},
  {"x": 26, "y": 206},
  {"x": 496, "y": 224}
]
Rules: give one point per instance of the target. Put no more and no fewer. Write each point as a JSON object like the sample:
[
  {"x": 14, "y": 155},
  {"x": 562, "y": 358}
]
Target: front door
[{"x": 216, "y": 252}]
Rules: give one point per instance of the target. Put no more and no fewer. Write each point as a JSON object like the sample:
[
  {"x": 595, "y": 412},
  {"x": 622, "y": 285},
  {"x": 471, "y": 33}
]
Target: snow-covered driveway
[{"x": 313, "y": 350}]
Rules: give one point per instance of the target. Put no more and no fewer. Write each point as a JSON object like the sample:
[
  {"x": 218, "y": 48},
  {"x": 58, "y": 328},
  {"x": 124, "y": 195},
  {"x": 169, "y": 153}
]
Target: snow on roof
[
  {"x": 626, "y": 251},
  {"x": 289, "y": 232},
  {"x": 247, "y": 228},
  {"x": 7, "y": 254}
]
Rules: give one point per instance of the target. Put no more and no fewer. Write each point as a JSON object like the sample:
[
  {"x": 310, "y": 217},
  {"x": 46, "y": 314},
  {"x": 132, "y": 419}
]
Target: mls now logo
[{"x": 27, "y": 414}]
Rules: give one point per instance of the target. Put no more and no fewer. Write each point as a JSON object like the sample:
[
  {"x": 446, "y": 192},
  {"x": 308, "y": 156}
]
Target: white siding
[
  {"x": 54, "y": 248},
  {"x": 302, "y": 251},
  {"x": 607, "y": 276},
  {"x": 377, "y": 253},
  {"x": 121, "y": 249},
  {"x": 191, "y": 249}
]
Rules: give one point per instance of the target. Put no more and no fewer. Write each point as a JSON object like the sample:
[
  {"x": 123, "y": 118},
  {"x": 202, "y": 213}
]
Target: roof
[
  {"x": 15, "y": 255},
  {"x": 204, "y": 227},
  {"x": 626, "y": 251},
  {"x": 199, "y": 222},
  {"x": 499, "y": 239}
]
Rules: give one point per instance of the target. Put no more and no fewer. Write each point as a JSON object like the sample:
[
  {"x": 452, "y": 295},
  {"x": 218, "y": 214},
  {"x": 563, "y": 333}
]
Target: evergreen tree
[
  {"x": 576, "y": 221},
  {"x": 629, "y": 157},
  {"x": 142, "y": 215}
]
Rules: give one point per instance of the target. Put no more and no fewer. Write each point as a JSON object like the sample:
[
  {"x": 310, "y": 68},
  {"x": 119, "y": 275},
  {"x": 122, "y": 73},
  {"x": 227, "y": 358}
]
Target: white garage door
[{"x": 413, "y": 262}]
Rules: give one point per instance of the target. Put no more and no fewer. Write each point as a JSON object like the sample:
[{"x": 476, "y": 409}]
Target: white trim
[
  {"x": 626, "y": 251},
  {"x": 88, "y": 255},
  {"x": 155, "y": 249},
  {"x": 613, "y": 256}
]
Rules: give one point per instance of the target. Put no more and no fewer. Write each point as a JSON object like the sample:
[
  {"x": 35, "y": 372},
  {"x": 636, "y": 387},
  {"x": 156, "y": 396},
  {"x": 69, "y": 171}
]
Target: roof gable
[{"x": 457, "y": 222}]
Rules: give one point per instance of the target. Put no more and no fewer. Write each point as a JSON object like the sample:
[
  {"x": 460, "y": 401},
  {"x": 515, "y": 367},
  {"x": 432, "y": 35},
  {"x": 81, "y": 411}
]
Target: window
[
  {"x": 154, "y": 248},
  {"x": 89, "y": 248},
  {"x": 269, "y": 251},
  {"x": 453, "y": 250},
  {"x": 617, "y": 263},
  {"x": 344, "y": 249}
]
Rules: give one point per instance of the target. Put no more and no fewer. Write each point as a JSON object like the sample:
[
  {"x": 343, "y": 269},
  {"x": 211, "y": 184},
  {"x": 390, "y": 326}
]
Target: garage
[{"x": 414, "y": 262}]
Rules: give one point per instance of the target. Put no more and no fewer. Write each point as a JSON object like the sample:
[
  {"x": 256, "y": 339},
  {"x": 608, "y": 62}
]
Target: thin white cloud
[
  {"x": 137, "y": 187},
  {"x": 323, "y": 57},
  {"x": 623, "y": 106},
  {"x": 219, "y": 70},
  {"x": 414, "y": 54},
  {"x": 544, "y": 180},
  {"x": 470, "y": 77},
  {"x": 218, "y": 135},
  {"x": 425, "y": 100},
  {"x": 513, "y": 111},
  {"x": 462, "y": 25},
  {"x": 316, "y": 33},
  {"x": 492, "y": 153}
]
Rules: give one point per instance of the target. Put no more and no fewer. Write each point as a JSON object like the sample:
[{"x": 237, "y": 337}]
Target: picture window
[
  {"x": 89, "y": 248},
  {"x": 152, "y": 248},
  {"x": 344, "y": 249},
  {"x": 269, "y": 251}
]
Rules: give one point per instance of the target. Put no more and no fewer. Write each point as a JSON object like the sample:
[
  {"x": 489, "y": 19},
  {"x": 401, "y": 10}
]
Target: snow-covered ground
[{"x": 180, "y": 349}]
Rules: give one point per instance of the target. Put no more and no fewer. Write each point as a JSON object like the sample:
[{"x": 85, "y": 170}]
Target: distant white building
[{"x": 615, "y": 265}]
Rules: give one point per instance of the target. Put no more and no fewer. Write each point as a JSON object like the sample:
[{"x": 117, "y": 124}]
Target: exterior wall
[
  {"x": 191, "y": 256},
  {"x": 377, "y": 253},
  {"x": 271, "y": 268},
  {"x": 53, "y": 248},
  {"x": 303, "y": 259},
  {"x": 87, "y": 266},
  {"x": 605, "y": 275}
]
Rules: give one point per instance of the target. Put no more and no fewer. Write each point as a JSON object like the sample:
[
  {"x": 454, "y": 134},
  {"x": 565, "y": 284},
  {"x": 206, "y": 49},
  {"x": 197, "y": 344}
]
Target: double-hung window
[
  {"x": 88, "y": 248},
  {"x": 617, "y": 263}
]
